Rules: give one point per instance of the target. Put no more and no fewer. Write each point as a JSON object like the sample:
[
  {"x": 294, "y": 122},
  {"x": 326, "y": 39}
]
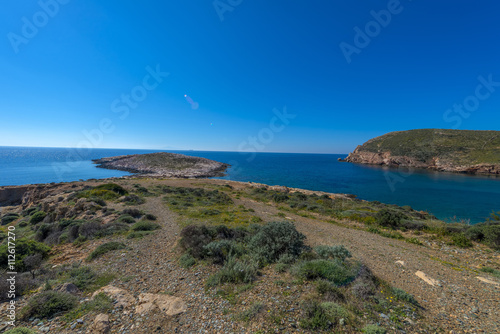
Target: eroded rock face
[
  {"x": 170, "y": 305},
  {"x": 13, "y": 195}
]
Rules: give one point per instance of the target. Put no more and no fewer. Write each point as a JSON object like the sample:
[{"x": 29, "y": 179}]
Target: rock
[
  {"x": 122, "y": 297},
  {"x": 169, "y": 304},
  {"x": 68, "y": 288},
  {"x": 426, "y": 278},
  {"x": 101, "y": 324}
]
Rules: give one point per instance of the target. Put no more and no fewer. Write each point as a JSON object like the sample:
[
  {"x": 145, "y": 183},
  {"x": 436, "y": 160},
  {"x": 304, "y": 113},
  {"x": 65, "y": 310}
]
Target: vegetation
[
  {"x": 105, "y": 248},
  {"x": 87, "y": 279},
  {"x": 24, "y": 249},
  {"x": 108, "y": 191},
  {"x": 460, "y": 147},
  {"x": 48, "y": 303}
]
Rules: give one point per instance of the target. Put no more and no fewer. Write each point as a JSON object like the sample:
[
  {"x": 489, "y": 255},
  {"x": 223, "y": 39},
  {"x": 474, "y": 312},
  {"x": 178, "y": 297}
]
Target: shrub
[
  {"x": 373, "y": 329},
  {"x": 334, "y": 252},
  {"x": 475, "y": 233},
  {"x": 86, "y": 279},
  {"x": 133, "y": 200},
  {"x": 279, "y": 197},
  {"x": 404, "y": 296},
  {"x": 24, "y": 283},
  {"x": 329, "y": 291},
  {"x": 37, "y": 217},
  {"x": 105, "y": 248},
  {"x": 234, "y": 271},
  {"x": 101, "y": 303},
  {"x": 145, "y": 226},
  {"x": 492, "y": 235},
  {"x": 48, "y": 303},
  {"x": 251, "y": 312},
  {"x": 273, "y": 240},
  {"x": 187, "y": 261},
  {"x": 136, "y": 235},
  {"x": 219, "y": 251},
  {"x": 415, "y": 241},
  {"x": 194, "y": 238},
  {"x": 333, "y": 271},
  {"x": 133, "y": 212},
  {"x": 149, "y": 216},
  {"x": 24, "y": 248},
  {"x": 334, "y": 312},
  {"x": 112, "y": 187},
  {"x": 315, "y": 316},
  {"x": 389, "y": 218},
  {"x": 460, "y": 240},
  {"x": 128, "y": 219},
  {"x": 9, "y": 218},
  {"x": 492, "y": 271}
]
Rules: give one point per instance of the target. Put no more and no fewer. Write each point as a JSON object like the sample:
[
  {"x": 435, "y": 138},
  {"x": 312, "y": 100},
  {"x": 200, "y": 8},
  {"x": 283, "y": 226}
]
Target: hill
[{"x": 461, "y": 151}]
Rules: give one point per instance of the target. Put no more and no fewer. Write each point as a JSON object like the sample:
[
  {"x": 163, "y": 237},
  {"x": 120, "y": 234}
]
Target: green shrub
[
  {"x": 415, "y": 241},
  {"x": 373, "y": 329},
  {"x": 128, "y": 219},
  {"x": 475, "y": 233},
  {"x": 234, "y": 271},
  {"x": 187, "y": 261},
  {"x": 492, "y": 235},
  {"x": 105, "y": 248},
  {"x": 315, "y": 316},
  {"x": 112, "y": 187},
  {"x": 108, "y": 191},
  {"x": 9, "y": 218},
  {"x": 404, "y": 296},
  {"x": 136, "y": 235},
  {"x": 335, "y": 312},
  {"x": 136, "y": 213},
  {"x": 460, "y": 240},
  {"x": 333, "y": 271},
  {"x": 101, "y": 303},
  {"x": 389, "y": 218},
  {"x": 20, "y": 330},
  {"x": 133, "y": 200},
  {"x": 48, "y": 303},
  {"x": 275, "y": 239},
  {"x": 37, "y": 217},
  {"x": 194, "y": 238},
  {"x": 492, "y": 271},
  {"x": 329, "y": 292},
  {"x": 149, "y": 216},
  {"x": 24, "y": 248},
  {"x": 87, "y": 279},
  {"x": 220, "y": 250},
  {"x": 334, "y": 252},
  {"x": 145, "y": 226}
]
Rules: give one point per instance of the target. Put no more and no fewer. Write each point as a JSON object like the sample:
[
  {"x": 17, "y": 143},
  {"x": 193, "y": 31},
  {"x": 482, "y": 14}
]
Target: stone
[
  {"x": 170, "y": 305},
  {"x": 121, "y": 297},
  {"x": 101, "y": 324},
  {"x": 68, "y": 288}
]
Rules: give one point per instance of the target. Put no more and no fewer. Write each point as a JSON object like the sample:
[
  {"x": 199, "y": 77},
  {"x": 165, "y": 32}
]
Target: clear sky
[{"x": 77, "y": 72}]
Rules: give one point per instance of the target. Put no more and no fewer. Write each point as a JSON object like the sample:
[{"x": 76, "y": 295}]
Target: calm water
[{"x": 445, "y": 195}]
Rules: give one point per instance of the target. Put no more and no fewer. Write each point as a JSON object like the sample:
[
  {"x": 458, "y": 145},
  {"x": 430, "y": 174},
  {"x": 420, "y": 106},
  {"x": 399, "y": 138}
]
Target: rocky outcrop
[
  {"x": 170, "y": 305},
  {"x": 101, "y": 324},
  {"x": 164, "y": 165},
  {"x": 470, "y": 152}
]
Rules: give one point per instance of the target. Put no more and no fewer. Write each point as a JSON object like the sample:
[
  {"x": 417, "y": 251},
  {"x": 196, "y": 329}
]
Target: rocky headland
[
  {"x": 457, "y": 151},
  {"x": 164, "y": 164}
]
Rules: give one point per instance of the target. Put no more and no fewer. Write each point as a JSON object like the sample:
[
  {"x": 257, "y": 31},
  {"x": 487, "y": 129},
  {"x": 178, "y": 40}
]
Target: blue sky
[{"x": 66, "y": 69}]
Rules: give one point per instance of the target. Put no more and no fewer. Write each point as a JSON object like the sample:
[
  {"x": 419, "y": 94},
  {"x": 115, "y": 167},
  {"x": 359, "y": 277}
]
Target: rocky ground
[{"x": 156, "y": 295}]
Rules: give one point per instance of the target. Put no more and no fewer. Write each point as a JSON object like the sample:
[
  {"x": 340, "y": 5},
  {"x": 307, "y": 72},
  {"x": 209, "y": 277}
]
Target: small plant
[
  {"x": 251, "y": 312},
  {"x": 101, "y": 303},
  {"x": 37, "y": 217},
  {"x": 460, "y": 240},
  {"x": 187, "y": 261},
  {"x": 145, "y": 226},
  {"x": 135, "y": 213},
  {"x": 86, "y": 279},
  {"x": 404, "y": 296},
  {"x": 9, "y": 218},
  {"x": 389, "y": 218},
  {"x": 492, "y": 271},
  {"x": 334, "y": 252},
  {"x": 133, "y": 200},
  {"x": 105, "y": 248},
  {"x": 20, "y": 330},
  {"x": 150, "y": 216},
  {"x": 373, "y": 329},
  {"x": 329, "y": 292},
  {"x": 128, "y": 219},
  {"x": 333, "y": 271},
  {"x": 414, "y": 241},
  {"x": 48, "y": 303},
  {"x": 234, "y": 271},
  {"x": 315, "y": 316}
]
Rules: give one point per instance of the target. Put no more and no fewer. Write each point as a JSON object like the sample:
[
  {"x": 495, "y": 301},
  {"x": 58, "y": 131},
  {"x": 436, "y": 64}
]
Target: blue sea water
[{"x": 448, "y": 196}]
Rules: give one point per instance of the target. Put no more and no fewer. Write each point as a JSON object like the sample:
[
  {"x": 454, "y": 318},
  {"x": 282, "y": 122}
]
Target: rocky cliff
[{"x": 459, "y": 151}]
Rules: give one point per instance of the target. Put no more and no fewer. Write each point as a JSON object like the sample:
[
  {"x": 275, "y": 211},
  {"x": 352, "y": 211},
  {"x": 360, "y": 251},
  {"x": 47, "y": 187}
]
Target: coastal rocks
[
  {"x": 13, "y": 195},
  {"x": 170, "y": 305}
]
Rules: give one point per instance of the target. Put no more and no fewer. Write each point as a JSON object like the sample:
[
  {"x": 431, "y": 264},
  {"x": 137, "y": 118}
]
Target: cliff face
[{"x": 459, "y": 151}]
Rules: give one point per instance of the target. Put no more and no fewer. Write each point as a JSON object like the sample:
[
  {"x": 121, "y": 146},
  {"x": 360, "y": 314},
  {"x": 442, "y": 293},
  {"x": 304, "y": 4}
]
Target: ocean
[{"x": 450, "y": 197}]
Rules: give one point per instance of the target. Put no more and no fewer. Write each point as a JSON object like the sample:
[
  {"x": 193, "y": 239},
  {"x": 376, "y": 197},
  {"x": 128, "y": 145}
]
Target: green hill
[{"x": 447, "y": 150}]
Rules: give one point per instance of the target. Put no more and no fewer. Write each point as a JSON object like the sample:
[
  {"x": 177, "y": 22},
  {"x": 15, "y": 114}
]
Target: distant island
[
  {"x": 164, "y": 164},
  {"x": 458, "y": 151}
]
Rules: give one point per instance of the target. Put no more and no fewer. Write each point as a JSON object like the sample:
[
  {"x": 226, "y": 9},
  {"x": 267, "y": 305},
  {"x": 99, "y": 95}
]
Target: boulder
[
  {"x": 68, "y": 288},
  {"x": 101, "y": 324},
  {"x": 170, "y": 305}
]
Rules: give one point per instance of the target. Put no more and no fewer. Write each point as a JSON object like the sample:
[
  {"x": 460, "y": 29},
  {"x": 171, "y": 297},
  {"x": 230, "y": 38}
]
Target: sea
[{"x": 450, "y": 197}]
